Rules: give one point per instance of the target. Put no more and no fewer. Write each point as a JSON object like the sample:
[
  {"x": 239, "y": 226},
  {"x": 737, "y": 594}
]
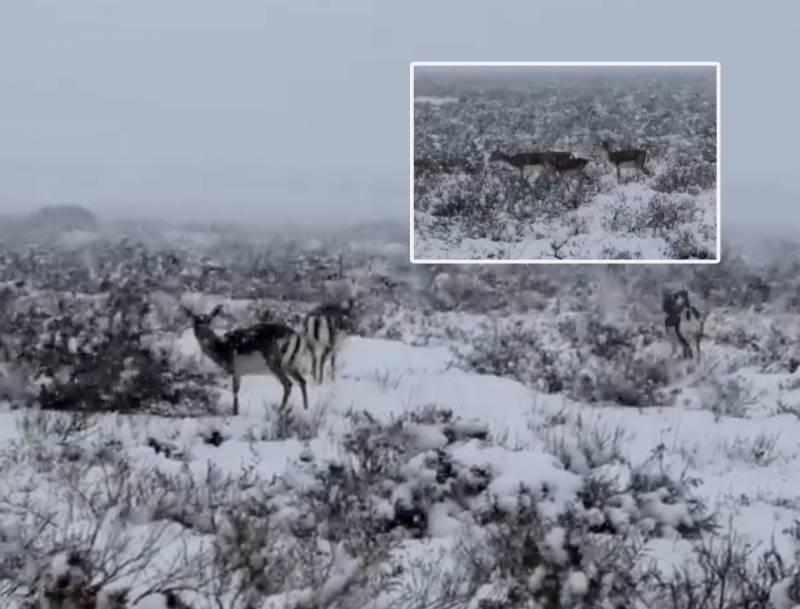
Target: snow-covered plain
[
  {"x": 594, "y": 231},
  {"x": 494, "y": 434},
  {"x": 756, "y": 494}
]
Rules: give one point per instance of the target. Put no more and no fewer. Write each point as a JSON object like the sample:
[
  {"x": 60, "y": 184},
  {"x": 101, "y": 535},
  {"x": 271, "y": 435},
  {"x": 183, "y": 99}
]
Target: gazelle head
[
  {"x": 497, "y": 155},
  {"x": 218, "y": 349},
  {"x": 683, "y": 296},
  {"x": 350, "y": 315},
  {"x": 202, "y": 321},
  {"x": 579, "y": 163}
]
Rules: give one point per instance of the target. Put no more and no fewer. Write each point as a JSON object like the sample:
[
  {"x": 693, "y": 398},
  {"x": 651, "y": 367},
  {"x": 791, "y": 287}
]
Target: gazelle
[
  {"x": 571, "y": 166},
  {"x": 677, "y": 307},
  {"x": 264, "y": 348},
  {"x": 326, "y": 328},
  {"x": 695, "y": 327},
  {"x": 527, "y": 159},
  {"x": 632, "y": 157}
]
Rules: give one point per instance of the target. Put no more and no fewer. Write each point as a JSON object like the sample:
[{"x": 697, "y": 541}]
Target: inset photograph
[{"x": 565, "y": 162}]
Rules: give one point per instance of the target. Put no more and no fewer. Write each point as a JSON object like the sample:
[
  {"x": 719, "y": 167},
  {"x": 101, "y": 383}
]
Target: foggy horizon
[
  {"x": 512, "y": 76},
  {"x": 281, "y": 112}
]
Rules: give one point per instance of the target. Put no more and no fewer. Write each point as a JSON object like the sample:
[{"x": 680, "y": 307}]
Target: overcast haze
[
  {"x": 431, "y": 78},
  {"x": 298, "y": 110}
]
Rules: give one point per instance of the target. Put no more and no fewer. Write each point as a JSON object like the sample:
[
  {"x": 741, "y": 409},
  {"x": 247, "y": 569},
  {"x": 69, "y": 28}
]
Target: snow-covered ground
[
  {"x": 616, "y": 223},
  {"x": 747, "y": 466}
]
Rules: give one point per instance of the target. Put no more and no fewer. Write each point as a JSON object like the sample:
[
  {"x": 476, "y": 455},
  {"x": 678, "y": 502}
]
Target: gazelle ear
[
  {"x": 187, "y": 311},
  {"x": 215, "y": 311}
]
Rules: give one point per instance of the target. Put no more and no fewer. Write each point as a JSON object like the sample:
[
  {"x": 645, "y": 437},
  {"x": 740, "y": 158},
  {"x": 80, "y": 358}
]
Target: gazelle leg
[
  {"x": 673, "y": 342},
  {"x": 302, "y": 382},
  {"x": 687, "y": 349},
  {"x": 237, "y": 382},
  {"x": 619, "y": 175},
  {"x": 325, "y": 354},
  {"x": 314, "y": 359},
  {"x": 333, "y": 365},
  {"x": 287, "y": 385}
]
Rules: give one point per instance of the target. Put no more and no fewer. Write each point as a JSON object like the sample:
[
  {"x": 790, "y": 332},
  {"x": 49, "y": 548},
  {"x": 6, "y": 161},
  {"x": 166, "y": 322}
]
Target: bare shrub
[
  {"x": 730, "y": 396},
  {"x": 759, "y": 451},
  {"x": 532, "y": 562},
  {"x": 683, "y": 245},
  {"x": 663, "y": 214},
  {"x": 599, "y": 362},
  {"x": 620, "y": 218},
  {"x": 686, "y": 175},
  {"x": 724, "y": 575}
]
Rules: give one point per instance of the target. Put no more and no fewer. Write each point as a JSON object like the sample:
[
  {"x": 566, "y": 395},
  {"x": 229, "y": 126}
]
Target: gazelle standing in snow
[
  {"x": 264, "y": 348},
  {"x": 677, "y": 306},
  {"x": 326, "y": 328},
  {"x": 632, "y": 157},
  {"x": 526, "y": 160},
  {"x": 695, "y": 326}
]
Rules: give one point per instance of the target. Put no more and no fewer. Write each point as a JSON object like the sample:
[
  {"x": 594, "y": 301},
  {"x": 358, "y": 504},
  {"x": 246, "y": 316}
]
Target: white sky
[{"x": 298, "y": 109}]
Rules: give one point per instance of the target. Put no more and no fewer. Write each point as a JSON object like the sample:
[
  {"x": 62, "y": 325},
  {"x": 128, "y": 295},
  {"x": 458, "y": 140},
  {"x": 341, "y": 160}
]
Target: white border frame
[{"x": 414, "y": 64}]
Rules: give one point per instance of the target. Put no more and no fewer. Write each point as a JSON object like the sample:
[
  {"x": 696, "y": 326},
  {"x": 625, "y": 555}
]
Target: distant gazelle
[
  {"x": 570, "y": 166},
  {"x": 632, "y": 157},
  {"x": 528, "y": 159},
  {"x": 677, "y": 306}
]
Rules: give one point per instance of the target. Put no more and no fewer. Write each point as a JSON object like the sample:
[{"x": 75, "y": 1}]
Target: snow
[
  {"x": 441, "y": 523},
  {"x": 578, "y": 583},
  {"x": 76, "y": 239},
  {"x": 539, "y": 473},
  {"x": 388, "y": 378},
  {"x": 595, "y": 238},
  {"x": 553, "y": 545},
  {"x": 434, "y": 101}
]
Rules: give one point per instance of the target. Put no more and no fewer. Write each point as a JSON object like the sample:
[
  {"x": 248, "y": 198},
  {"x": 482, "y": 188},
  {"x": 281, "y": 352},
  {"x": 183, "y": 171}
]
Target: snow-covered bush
[
  {"x": 726, "y": 572},
  {"x": 684, "y": 244},
  {"x": 592, "y": 361},
  {"x": 686, "y": 175},
  {"x": 99, "y": 355},
  {"x": 727, "y": 396},
  {"x": 527, "y": 561},
  {"x": 664, "y": 214}
]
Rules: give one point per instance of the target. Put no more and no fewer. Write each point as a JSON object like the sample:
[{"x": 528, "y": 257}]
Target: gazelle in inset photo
[
  {"x": 631, "y": 157},
  {"x": 573, "y": 166},
  {"x": 528, "y": 160}
]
